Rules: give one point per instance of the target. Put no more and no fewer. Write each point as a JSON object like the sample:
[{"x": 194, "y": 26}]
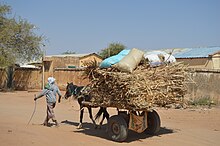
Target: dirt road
[{"x": 189, "y": 127}]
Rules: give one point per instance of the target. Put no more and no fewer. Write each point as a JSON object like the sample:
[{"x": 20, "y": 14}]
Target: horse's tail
[{"x": 101, "y": 110}]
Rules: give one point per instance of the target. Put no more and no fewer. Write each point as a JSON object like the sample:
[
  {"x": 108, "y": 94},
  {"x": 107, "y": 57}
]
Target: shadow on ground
[{"x": 88, "y": 129}]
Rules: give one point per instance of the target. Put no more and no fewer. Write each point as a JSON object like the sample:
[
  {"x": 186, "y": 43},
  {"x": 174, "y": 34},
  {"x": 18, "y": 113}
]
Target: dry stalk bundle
[{"x": 146, "y": 87}]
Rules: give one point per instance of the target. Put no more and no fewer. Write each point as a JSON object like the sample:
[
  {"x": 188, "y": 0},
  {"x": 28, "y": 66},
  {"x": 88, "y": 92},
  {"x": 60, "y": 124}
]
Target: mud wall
[
  {"x": 65, "y": 75},
  {"x": 206, "y": 84},
  {"x": 3, "y": 78},
  {"x": 32, "y": 78}
]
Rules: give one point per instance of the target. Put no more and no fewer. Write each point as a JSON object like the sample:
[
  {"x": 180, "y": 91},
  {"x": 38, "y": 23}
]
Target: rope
[{"x": 35, "y": 105}]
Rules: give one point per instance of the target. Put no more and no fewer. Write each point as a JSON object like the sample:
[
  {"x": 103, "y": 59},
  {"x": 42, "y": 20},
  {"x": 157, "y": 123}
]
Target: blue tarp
[{"x": 108, "y": 62}]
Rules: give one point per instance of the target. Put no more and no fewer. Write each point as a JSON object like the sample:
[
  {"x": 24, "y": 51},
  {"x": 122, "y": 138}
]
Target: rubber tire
[
  {"x": 117, "y": 122},
  {"x": 153, "y": 123}
]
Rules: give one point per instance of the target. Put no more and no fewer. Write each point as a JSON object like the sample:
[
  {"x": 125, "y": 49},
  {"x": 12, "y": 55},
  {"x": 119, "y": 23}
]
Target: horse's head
[{"x": 70, "y": 90}]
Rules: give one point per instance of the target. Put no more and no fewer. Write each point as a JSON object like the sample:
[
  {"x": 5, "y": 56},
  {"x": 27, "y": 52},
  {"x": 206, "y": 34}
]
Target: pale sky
[{"x": 88, "y": 26}]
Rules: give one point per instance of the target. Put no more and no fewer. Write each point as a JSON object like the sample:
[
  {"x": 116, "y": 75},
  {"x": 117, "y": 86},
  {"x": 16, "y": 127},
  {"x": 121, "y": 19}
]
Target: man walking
[{"x": 50, "y": 90}]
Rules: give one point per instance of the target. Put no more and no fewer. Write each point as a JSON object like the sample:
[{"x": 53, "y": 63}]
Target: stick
[{"x": 35, "y": 105}]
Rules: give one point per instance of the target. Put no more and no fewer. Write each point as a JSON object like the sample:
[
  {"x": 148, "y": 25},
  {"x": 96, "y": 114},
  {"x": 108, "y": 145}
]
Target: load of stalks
[{"x": 146, "y": 87}]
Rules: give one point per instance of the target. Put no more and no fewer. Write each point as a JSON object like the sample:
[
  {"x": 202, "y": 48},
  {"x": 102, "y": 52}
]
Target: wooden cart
[{"x": 139, "y": 121}]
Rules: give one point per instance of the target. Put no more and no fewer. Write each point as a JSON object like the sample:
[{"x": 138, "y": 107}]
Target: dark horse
[{"x": 75, "y": 90}]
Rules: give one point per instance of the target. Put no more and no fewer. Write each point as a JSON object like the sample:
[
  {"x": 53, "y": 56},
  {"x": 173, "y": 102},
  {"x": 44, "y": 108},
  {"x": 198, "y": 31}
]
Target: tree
[
  {"x": 69, "y": 52},
  {"x": 113, "y": 49},
  {"x": 18, "y": 42}
]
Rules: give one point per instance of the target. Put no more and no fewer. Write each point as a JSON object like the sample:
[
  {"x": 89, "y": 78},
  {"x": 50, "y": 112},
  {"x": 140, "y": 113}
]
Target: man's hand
[{"x": 35, "y": 98}]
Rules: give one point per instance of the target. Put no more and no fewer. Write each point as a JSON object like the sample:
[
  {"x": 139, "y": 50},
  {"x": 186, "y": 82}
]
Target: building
[
  {"x": 202, "y": 57},
  {"x": 67, "y": 68},
  {"x": 68, "y": 61}
]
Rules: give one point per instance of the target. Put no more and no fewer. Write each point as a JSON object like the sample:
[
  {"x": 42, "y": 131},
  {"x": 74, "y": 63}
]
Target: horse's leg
[
  {"x": 81, "y": 117},
  {"x": 91, "y": 117},
  {"x": 105, "y": 115}
]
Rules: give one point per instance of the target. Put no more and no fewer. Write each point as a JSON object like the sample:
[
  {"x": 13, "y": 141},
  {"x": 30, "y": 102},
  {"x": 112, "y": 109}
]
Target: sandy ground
[{"x": 189, "y": 127}]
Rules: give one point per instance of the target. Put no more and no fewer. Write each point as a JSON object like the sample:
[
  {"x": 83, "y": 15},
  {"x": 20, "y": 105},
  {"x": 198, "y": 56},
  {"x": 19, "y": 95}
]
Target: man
[{"x": 50, "y": 90}]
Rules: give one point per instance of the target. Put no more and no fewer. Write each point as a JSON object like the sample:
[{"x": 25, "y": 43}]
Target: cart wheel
[
  {"x": 153, "y": 121},
  {"x": 117, "y": 128}
]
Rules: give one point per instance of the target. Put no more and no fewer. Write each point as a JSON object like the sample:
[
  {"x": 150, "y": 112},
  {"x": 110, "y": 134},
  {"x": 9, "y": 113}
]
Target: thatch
[{"x": 145, "y": 88}]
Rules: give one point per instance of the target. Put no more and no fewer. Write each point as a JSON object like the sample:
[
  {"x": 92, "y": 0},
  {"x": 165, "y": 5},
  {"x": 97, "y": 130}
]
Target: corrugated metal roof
[{"x": 196, "y": 52}]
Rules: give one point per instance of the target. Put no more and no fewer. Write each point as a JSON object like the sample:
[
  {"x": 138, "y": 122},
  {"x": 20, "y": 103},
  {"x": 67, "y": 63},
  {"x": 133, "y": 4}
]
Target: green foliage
[
  {"x": 113, "y": 49},
  {"x": 69, "y": 52},
  {"x": 4, "y": 9},
  {"x": 202, "y": 101},
  {"x": 18, "y": 42}
]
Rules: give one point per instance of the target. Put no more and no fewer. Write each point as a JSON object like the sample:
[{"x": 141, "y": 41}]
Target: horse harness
[{"x": 74, "y": 92}]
